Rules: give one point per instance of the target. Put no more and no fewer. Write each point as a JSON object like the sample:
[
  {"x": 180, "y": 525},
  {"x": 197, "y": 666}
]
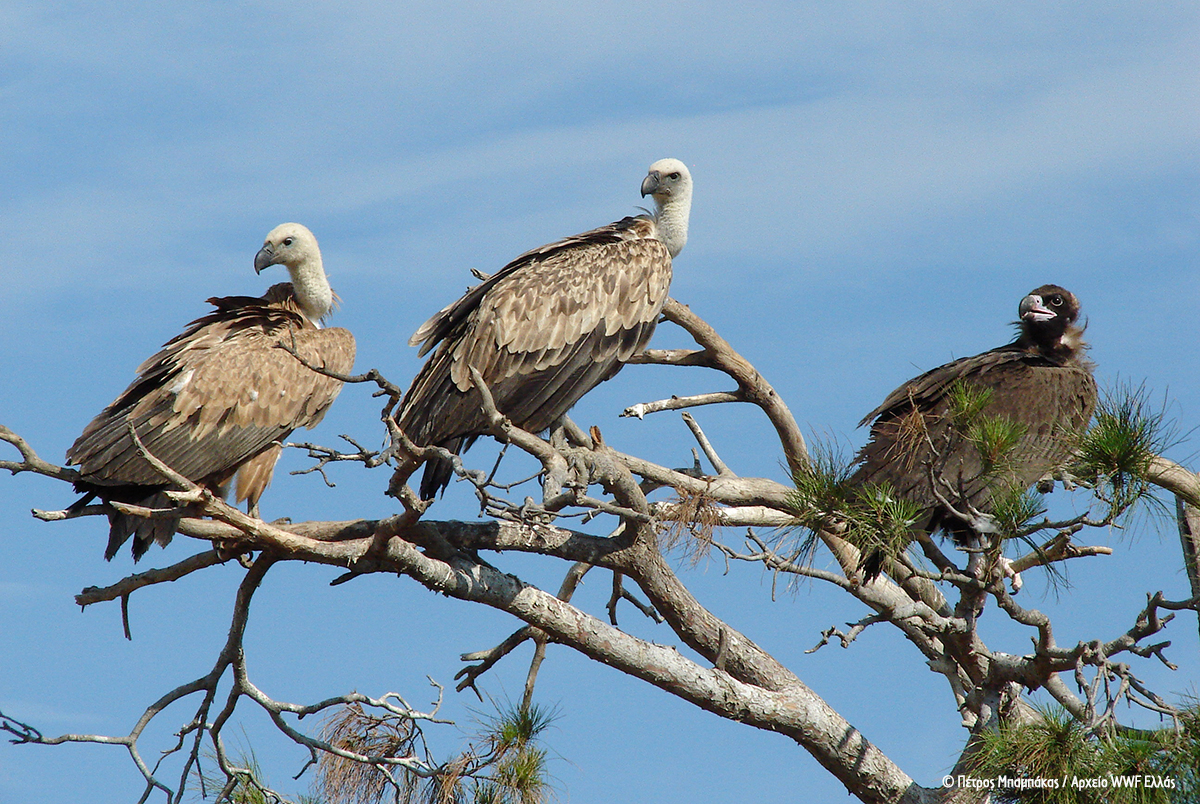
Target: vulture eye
[
  {"x": 674, "y": 176},
  {"x": 1056, "y": 301},
  {"x": 287, "y": 241}
]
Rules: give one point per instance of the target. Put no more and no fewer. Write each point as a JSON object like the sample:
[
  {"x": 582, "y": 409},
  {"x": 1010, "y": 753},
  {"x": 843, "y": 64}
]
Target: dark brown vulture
[
  {"x": 548, "y": 327},
  {"x": 219, "y": 398},
  {"x": 1042, "y": 383}
]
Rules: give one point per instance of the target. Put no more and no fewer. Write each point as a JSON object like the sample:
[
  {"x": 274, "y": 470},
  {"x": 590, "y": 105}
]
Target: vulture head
[
  {"x": 667, "y": 178},
  {"x": 670, "y": 185},
  {"x": 295, "y": 247},
  {"x": 1048, "y": 315}
]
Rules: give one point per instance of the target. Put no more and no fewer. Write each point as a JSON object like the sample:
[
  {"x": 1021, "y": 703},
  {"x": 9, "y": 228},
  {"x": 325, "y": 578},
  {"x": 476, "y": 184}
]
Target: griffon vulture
[
  {"x": 1042, "y": 383},
  {"x": 548, "y": 327},
  {"x": 218, "y": 399}
]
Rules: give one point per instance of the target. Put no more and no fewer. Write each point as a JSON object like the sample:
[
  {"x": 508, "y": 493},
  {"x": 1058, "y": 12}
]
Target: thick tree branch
[
  {"x": 1174, "y": 478},
  {"x": 734, "y": 677},
  {"x": 1188, "y": 518},
  {"x": 755, "y": 387}
]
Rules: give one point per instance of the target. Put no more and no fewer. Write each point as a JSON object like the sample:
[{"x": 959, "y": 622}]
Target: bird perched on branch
[
  {"x": 219, "y": 398},
  {"x": 984, "y": 426},
  {"x": 546, "y": 328}
]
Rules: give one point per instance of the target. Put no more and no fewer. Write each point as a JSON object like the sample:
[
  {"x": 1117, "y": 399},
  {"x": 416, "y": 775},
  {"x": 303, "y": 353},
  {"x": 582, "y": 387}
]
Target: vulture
[
  {"x": 547, "y": 327},
  {"x": 219, "y": 398},
  {"x": 1041, "y": 382}
]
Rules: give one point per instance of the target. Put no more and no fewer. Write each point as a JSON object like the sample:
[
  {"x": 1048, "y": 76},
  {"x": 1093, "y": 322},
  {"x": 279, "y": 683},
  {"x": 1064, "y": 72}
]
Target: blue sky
[{"x": 876, "y": 188}]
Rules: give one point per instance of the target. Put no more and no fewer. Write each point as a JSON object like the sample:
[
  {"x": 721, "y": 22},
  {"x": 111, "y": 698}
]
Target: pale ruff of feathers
[
  {"x": 311, "y": 288},
  {"x": 671, "y": 222}
]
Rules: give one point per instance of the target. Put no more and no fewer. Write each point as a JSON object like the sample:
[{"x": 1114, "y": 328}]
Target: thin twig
[
  {"x": 709, "y": 451},
  {"x": 643, "y": 409}
]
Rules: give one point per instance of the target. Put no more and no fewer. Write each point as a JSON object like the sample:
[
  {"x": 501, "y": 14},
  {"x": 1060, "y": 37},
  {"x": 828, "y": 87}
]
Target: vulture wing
[
  {"x": 920, "y": 426},
  {"x": 542, "y": 332},
  {"x": 215, "y": 397}
]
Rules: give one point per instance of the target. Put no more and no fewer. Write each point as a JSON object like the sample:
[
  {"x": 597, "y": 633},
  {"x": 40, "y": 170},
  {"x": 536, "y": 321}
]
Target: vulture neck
[
  {"x": 671, "y": 220},
  {"x": 1065, "y": 346},
  {"x": 311, "y": 287}
]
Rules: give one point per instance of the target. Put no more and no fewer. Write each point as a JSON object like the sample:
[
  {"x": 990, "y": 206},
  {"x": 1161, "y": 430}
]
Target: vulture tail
[
  {"x": 144, "y": 531},
  {"x": 439, "y": 471}
]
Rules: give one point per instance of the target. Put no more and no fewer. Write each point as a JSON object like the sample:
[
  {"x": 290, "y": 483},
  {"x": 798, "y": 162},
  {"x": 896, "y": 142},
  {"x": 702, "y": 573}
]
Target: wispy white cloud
[
  {"x": 326, "y": 121},
  {"x": 851, "y": 156}
]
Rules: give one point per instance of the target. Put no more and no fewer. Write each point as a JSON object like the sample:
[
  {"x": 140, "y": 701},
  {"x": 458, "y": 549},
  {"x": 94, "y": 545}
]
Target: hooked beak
[
  {"x": 1032, "y": 309},
  {"x": 264, "y": 257},
  {"x": 650, "y": 183}
]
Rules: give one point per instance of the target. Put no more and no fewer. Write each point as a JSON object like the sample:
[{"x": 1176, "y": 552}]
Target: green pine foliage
[
  {"x": 1126, "y": 433},
  {"x": 1150, "y": 767},
  {"x": 1013, "y": 507},
  {"x": 994, "y": 437},
  {"x": 822, "y": 493},
  {"x": 967, "y": 403},
  {"x": 519, "y": 775},
  {"x": 881, "y": 519},
  {"x": 869, "y": 516}
]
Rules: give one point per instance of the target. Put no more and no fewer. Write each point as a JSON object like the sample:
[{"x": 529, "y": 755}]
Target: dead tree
[{"x": 934, "y": 603}]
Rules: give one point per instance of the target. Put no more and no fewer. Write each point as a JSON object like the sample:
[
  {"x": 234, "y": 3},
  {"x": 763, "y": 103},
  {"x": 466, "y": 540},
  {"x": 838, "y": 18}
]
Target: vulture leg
[{"x": 1014, "y": 577}]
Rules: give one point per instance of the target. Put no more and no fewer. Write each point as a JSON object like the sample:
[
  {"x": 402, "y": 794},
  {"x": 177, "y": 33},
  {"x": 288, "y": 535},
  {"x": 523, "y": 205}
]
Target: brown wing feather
[
  {"x": 255, "y": 474},
  {"x": 542, "y": 332},
  {"x": 214, "y": 397},
  {"x": 913, "y": 428},
  {"x": 534, "y": 321},
  {"x": 206, "y": 403},
  {"x": 451, "y": 317}
]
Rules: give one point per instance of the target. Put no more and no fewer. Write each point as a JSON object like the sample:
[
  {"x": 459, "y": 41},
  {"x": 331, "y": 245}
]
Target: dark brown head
[{"x": 1048, "y": 315}]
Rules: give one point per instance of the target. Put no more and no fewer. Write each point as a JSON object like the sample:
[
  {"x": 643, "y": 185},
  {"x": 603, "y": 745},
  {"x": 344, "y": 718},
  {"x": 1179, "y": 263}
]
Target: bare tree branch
[
  {"x": 30, "y": 462},
  {"x": 643, "y": 409},
  {"x": 751, "y": 384},
  {"x": 934, "y": 607}
]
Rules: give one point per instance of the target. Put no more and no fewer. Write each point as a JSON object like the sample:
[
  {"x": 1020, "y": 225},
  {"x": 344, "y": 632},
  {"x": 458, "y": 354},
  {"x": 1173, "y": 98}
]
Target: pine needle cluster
[
  {"x": 518, "y": 774},
  {"x": 1057, "y": 747},
  {"x": 504, "y": 766},
  {"x": 994, "y": 437},
  {"x": 1115, "y": 453},
  {"x": 1014, "y": 507},
  {"x": 869, "y": 516}
]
